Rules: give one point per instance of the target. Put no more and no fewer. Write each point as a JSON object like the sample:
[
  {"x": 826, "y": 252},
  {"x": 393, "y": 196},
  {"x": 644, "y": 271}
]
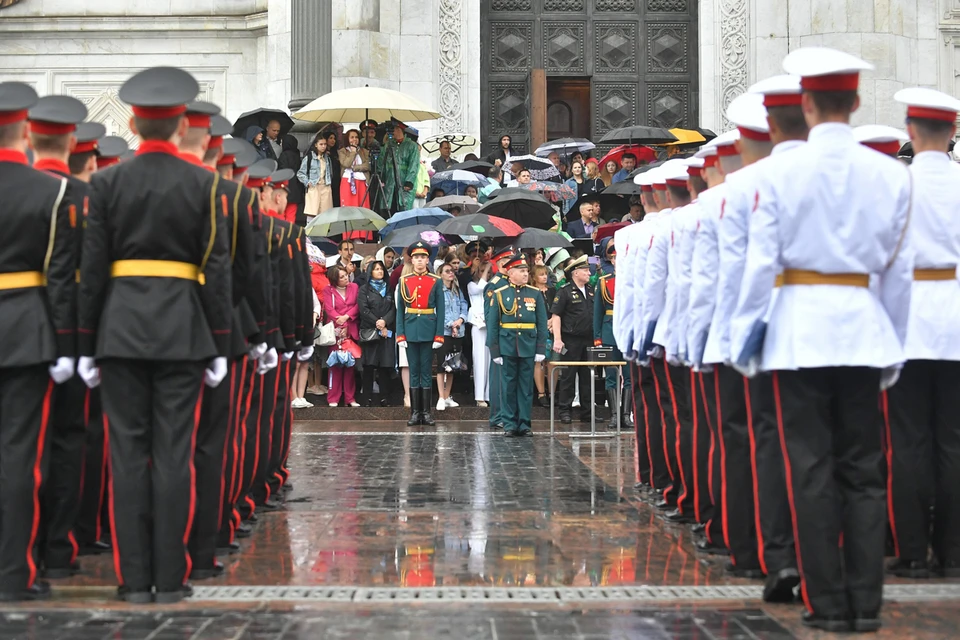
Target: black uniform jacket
[
  {"x": 155, "y": 207},
  {"x": 282, "y": 332},
  {"x": 37, "y": 323}
]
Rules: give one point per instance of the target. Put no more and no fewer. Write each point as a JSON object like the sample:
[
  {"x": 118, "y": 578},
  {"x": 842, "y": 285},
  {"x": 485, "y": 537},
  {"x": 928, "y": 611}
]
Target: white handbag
[{"x": 326, "y": 335}]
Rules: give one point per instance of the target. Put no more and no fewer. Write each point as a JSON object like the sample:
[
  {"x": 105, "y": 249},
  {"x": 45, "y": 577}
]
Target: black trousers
[
  {"x": 701, "y": 441},
  {"x": 269, "y": 398},
  {"x": 653, "y": 418},
  {"x": 830, "y": 426},
  {"x": 384, "y": 377},
  {"x": 678, "y": 383},
  {"x": 209, "y": 460},
  {"x": 26, "y": 394},
  {"x": 576, "y": 352},
  {"x": 153, "y": 409},
  {"x": 638, "y": 406},
  {"x": 665, "y": 445},
  {"x": 282, "y": 423},
  {"x": 247, "y": 382},
  {"x": 775, "y": 528},
  {"x": 261, "y": 393},
  {"x": 709, "y": 389},
  {"x": 923, "y": 455},
  {"x": 89, "y": 526},
  {"x": 736, "y": 471}
]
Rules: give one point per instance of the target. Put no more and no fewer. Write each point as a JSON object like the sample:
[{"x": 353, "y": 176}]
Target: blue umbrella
[
  {"x": 430, "y": 216},
  {"x": 455, "y": 181}
]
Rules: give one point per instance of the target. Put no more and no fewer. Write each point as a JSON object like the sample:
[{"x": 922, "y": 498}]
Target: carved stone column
[
  {"x": 732, "y": 52},
  {"x": 311, "y": 51}
]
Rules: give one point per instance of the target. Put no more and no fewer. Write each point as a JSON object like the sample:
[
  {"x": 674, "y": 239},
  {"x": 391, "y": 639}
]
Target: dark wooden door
[
  {"x": 568, "y": 108},
  {"x": 639, "y": 57}
]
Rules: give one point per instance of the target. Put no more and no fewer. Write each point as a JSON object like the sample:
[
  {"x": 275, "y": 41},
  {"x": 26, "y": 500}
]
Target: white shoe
[
  {"x": 333, "y": 404},
  {"x": 354, "y": 404},
  {"x": 481, "y": 403},
  {"x": 306, "y": 404},
  {"x": 297, "y": 403},
  {"x": 441, "y": 404},
  {"x": 451, "y": 403}
]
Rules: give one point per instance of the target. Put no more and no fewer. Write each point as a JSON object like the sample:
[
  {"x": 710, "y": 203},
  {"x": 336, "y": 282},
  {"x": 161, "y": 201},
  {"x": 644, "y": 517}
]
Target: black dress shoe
[
  {"x": 210, "y": 572},
  {"x": 526, "y": 434},
  {"x": 664, "y": 505},
  {"x": 565, "y": 418},
  {"x": 60, "y": 573},
  {"x": 780, "y": 585},
  {"x": 698, "y": 528},
  {"x": 187, "y": 590},
  {"x": 271, "y": 505},
  {"x": 287, "y": 486},
  {"x": 678, "y": 517},
  {"x": 705, "y": 546},
  {"x": 253, "y": 518},
  {"x": 39, "y": 591},
  {"x": 229, "y": 549},
  {"x": 169, "y": 597},
  {"x": 866, "y": 621},
  {"x": 750, "y": 573},
  {"x": 243, "y": 531},
  {"x": 511, "y": 434},
  {"x": 95, "y": 548},
  {"x": 135, "y": 596},
  {"x": 916, "y": 569},
  {"x": 833, "y": 624}
]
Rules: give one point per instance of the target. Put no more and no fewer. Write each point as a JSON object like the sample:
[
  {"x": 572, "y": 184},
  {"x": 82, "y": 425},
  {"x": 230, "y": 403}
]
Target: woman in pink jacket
[{"x": 340, "y": 307}]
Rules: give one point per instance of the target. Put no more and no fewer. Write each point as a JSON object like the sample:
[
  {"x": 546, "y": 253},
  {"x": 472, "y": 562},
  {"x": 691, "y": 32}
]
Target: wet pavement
[{"x": 392, "y": 532}]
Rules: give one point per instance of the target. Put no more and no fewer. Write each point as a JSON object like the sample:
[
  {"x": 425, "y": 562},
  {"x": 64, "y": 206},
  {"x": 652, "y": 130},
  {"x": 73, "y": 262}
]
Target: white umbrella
[
  {"x": 460, "y": 144},
  {"x": 361, "y": 103}
]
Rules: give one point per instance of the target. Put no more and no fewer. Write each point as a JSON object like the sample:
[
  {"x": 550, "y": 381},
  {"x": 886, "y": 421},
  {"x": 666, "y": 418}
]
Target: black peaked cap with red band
[
  {"x": 88, "y": 135},
  {"x": 160, "y": 92},
  {"x": 16, "y": 98},
  {"x": 56, "y": 115}
]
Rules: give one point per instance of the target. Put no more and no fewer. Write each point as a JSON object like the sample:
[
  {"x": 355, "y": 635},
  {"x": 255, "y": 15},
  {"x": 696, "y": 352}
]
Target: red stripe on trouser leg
[
  {"x": 37, "y": 481},
  {"x": 242, "y": 442},
  {"x": 753, "y": 467},
  {"x": 723, "y": 466},
  {"x": 695, "y": 459},
  {"x": 269, "y": 451},
  {"x": 256, "y": 448},
  {"x": 789, "y": 474},
  {"x": 226, "y": 445},
  {"x": 663, "y": 428},
  {"x": 646, "y": 422},
  {"x": 193, "y": 485},
  {"x": 717, "y": 508},
  {"x": 103, "y": 477},
  {"x": 891, "y": 515},
  {"x": 676, "y": 421},
  {"x": 74, "y": 546},
  {"x": 112, "y": 508}
]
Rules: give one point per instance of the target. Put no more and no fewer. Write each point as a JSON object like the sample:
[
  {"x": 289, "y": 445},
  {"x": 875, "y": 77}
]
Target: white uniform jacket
[
  {"x": 703, "y": 278},
  {"x": 639, "y": 272},
  {"x": 685, "y": 226},
  {"x": 626, "y": 241},
  {"x": 831, "y": 206},
  {"x": 655, "y": 281}
]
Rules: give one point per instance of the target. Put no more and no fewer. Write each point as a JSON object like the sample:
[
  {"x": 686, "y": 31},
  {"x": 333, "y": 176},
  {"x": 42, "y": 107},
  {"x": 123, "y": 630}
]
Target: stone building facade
[{"x": 282, "y": 53}]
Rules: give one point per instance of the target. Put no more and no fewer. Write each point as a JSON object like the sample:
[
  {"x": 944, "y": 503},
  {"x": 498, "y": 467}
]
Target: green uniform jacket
[
  {"x": 418, "y": 293},
  {"x": 495, "y": 283},
  {"x": 510, "y": 306},
  {"x": 603, "y": 311}
]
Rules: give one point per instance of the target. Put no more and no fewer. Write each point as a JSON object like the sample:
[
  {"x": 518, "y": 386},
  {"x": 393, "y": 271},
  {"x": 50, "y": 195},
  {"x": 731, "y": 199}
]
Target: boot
[
  {"x": 612, "y": 403},
  {"x": 426, "y": 401},
  {"x": 414, "y": 408},
  {"x": 626, "y": 407}
]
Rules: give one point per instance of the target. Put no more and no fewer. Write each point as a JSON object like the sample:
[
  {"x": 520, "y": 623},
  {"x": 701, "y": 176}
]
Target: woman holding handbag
[
  {"x": 355, "y": 168},
  {"x": 378, "y": 315},
  {"x": 454, "y": 328},
  {"x": 482, "y": 271},
  {"x": 316, "y": 175},
  {"x": 340, "y": 307}
]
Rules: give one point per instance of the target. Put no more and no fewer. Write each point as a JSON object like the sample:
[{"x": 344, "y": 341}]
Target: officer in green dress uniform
[
  {"x": 517, "y": 338},
  {"x": 603, "y": 331},
  {"x": 420, "y": 320},
  {"x": 499, "y": 258}
]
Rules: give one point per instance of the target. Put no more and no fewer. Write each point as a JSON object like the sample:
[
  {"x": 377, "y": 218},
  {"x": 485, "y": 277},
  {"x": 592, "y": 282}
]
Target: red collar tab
[
  {"x": 831, "y": 82},
  {"x": 273, "y": 214},
  {"x": 9, "y": 117},
  {"x": 103, "y": 163},
  {"x": 753, "y": 134},
  {"x": 215, "y": 142},
  {"x": 160, "y": 113},
  {"x": 51, "y": 128},
  {"x": 158, "y": 146},
  {"x": 930, "y": 113},
  {"x": 782, "y": 100},
  {"x": 727, "y": 150},
  {"x": 12, "y": 155},
  {"x": 198, "y": 120},
  {"x": 677, "y": 183},
  {"x": 84, "y": 147},
  {"x": 226, "y": 160},
  {"x": 891, "y": 147},
  {"x": 52, "y": 164}
]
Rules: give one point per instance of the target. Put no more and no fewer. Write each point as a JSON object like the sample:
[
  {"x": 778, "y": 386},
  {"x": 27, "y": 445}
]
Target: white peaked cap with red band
[
  {"x": 929, "y": 104},
  {"x": 779, "y": 91},
  {"x": 676, "y": 174},
  {"x": 750, "y": 116},
  {"x": 824, "y": 69},
  {"x": 880, "y": 137}
]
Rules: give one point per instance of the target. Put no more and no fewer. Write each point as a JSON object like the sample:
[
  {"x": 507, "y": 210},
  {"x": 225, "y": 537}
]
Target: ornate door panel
[{"x": 640, "y": 57}]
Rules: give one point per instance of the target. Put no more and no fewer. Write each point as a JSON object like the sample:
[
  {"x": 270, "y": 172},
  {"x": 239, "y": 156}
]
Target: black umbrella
[
  {"x": 625, "y": 187},
  {"x": 406, "y": 236},
  {"x": 526, "y": 208},
  {"x": 653, "y": 165},
  {"x": 261, "y": 117},
  {"x": 479, "y": 224},
  {"x": 612, "y": 206},
  {"x": 638, "y": 134},
  {"x": 907, "y": 149},
  {"x": 536, "y": 239},
  {"x": 476, "y": 166}
]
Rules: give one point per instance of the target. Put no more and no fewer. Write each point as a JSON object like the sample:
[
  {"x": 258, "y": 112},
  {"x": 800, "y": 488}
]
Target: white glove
[
  {"x": 437, "y": 345},
  {"x": 216, "y": 372},
  {"x": 889, "y": 377},
  {"x": 268, "y": 361},
  {"x": 305, "y": 354},
  {"x": 89, "y": 371},
  {"x": 402, "y": 344},
  {"x": 287, "y": 355},
  {"x": 751, "y": 369},
  {"x": 498, "y": 361},
  {"x": 255, "y": 352},
  {"x": 656, "y": 352},
  {"x": 539, "y": 357},
  {"x": 62, "y": 369},
  {"x": 673, "y": 360}
]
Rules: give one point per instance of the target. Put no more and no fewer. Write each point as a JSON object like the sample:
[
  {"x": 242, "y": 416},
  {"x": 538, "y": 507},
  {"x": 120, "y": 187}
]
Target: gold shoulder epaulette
[
  {"x": 506, "y": 286},
  {"x": 528, "y": 286}
]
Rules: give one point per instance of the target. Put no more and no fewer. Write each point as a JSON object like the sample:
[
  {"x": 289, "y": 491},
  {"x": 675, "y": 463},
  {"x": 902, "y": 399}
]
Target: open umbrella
[
  {"x": 455, "y": 181},
  {"x": 480, "y": 225},
  {"x": 476, "y": 166},
  {"x": 624, "y": 188},
  {"x": 552, "y": 191},
  {"x": 466, "y": 204},
  {"x": 540, "y": 168},
  {"x": 430, "y": 216},
  {"x": 261, "y": 117},
  {"x": 638, "y": 135},
  {"x": 685, "y": 137},
  {"x": 524, "y": 207},
  {"x": 643, "y": 154},
  {"x": 460, "y": 143},
  {"x": 402, "y": 238},
  {"x": 343, "y": 220},
  {"x": 565, "y": 146},
  {"x": 612, "y": 206},
  {"x": 538, "y": 239},
  {"x": 607, "y": 230},
  {"x": 361, "y": 103}
]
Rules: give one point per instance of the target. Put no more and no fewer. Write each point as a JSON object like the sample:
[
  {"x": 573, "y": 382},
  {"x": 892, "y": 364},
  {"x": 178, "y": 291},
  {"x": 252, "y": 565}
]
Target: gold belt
[
  {"x": 609, "y": 312},
  {"x": 422, "y": 312},
  {"x": 21, "y": 280},
  {"x": 804, "y": 277},
  {"x": 156, "y": 269},
  {"x": 932, "y": 275},
  {"x": 518, "y": 325}
]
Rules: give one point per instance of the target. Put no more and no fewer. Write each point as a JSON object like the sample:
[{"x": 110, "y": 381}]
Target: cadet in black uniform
[
  {"x": 53, "y": 123},
  {"x": 573, "y": 331},
  {"x": 155, "y": 311},
  {"x": 37, "y": 328}
]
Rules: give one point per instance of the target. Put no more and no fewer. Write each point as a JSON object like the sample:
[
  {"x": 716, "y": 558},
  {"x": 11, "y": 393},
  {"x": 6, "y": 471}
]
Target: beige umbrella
[{"x": 361, "y": 103}]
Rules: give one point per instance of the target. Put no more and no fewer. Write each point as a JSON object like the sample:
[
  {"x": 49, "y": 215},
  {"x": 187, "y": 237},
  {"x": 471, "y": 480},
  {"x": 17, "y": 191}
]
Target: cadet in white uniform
[
  {"x": 832, "y": 214},
  {"x": 880, "y": 137},
  {"x": 924, "y": 406}
]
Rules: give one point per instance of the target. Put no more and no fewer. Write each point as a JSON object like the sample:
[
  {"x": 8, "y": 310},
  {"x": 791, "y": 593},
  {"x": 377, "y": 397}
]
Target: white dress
[{"x": 481, "y": 354}]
